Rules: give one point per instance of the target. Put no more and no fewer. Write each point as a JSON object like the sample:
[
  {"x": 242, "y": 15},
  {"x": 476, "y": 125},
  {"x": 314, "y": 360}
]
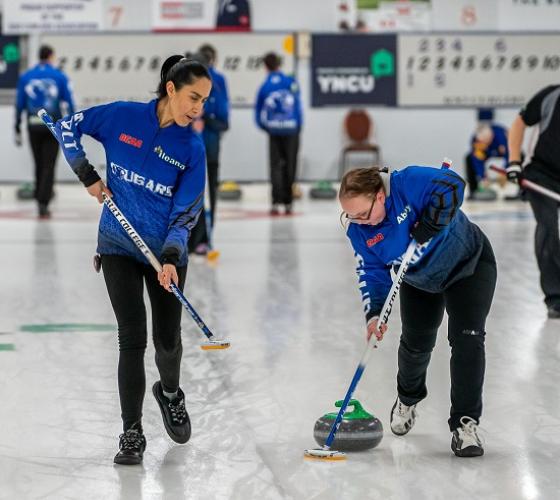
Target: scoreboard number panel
[{"x": 475, "y": 70}]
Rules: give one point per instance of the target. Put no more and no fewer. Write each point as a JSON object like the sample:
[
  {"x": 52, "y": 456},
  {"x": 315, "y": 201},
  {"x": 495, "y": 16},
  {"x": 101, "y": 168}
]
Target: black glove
[
  {"x": 514, "y": 172},
  {"x": 422, "y": 232}
]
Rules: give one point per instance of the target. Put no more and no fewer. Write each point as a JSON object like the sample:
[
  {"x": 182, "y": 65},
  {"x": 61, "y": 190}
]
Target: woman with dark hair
[
  {"x": 156, "y": 174},
  {"x": 453, "y": 269}
]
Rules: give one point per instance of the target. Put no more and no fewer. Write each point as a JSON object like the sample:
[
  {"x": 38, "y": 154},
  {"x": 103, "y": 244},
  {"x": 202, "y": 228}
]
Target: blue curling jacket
[
  {"x": 278, "y": 107},
  {"x": 415, "y": 193},
  {"x": 216, "y": 114},
  {"x": 42, "y": 86},
  {"x": 156, "y": 175},
  {"x": 480, "y": 152}
]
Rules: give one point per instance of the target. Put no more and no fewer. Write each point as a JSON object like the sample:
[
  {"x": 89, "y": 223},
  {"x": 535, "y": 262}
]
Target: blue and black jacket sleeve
[{"x": 441, "y": 193}]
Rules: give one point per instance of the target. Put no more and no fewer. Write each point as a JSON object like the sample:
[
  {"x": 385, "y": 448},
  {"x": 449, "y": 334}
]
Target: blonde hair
[{"x": 361, "y": 181}]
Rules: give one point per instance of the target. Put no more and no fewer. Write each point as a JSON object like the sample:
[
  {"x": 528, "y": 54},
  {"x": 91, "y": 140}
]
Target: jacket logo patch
[
  {"x": 128, "y": 139},
  {"x": 376, "y": 239},
  {"x": 158, "y": 150},
  {"x": 404, "y": 214}
]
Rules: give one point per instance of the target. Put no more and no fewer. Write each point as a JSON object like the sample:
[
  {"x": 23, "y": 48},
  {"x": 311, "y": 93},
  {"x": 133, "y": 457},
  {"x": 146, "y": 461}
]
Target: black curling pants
[
  {"x": 283, "y": 153},
  {"x": 467, "y": 302},
  {"x": 45, "y": 150},
  {"x": 201, "y": 233},
  {"x": 547, "y": 245},
  {"x": 125, "y": 278}
]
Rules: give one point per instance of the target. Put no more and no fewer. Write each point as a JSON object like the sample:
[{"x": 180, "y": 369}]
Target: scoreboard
[{"x": 475, "y": 70}]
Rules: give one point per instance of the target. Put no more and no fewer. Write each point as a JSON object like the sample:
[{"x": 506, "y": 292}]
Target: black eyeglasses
[{"x": 344, "y": 215}]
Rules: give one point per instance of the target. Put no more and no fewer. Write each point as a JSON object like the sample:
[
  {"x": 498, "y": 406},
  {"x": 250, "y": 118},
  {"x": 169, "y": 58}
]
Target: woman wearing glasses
[{"x": 453, "y": 269}]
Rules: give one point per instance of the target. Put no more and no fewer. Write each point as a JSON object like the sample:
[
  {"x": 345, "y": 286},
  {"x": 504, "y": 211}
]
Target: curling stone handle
[{"x": 357, "y": 409}]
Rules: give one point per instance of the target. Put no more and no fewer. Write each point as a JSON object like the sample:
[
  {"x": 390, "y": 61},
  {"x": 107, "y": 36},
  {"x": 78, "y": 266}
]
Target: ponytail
[{"x": 181, "y": 71}]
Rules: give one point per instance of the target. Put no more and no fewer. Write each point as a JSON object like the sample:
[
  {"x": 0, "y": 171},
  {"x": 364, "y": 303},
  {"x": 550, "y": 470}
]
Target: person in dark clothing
[
  {"x": 453, "y": 269},
  {"x": 212, "y": 124},
  {"x": 42, "y": 87},
  {"x": 155, "y": 172},
  {"x": 278, "y": 112},
  {"x": 544, "y": 169}
]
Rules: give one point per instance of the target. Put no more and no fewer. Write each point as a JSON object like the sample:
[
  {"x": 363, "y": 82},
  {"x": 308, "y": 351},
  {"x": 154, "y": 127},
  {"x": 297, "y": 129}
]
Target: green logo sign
[
  {"x": 11, "y": 53},
  {"x": 382, "y": 63}
]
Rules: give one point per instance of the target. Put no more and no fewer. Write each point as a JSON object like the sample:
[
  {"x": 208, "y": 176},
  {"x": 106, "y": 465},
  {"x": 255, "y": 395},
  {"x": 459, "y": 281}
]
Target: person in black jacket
[{"x": 544, "y": 169}]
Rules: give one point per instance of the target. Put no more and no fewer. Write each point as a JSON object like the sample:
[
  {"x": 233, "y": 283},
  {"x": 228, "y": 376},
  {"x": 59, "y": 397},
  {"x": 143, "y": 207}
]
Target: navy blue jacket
[
  {"x": 156, "y": 175},
  {"x": 426, "y": 194},
  {"x": 216, "y": 114}
]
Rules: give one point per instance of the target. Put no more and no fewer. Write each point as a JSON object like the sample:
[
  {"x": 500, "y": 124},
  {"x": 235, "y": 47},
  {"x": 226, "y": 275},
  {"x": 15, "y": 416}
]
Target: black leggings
[
  {"x": 468, "y": 303},
  {"x": 125, "y": 279}
]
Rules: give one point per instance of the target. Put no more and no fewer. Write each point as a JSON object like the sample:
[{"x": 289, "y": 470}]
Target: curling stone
[
  {"x": 229, "y": 190},
  {"x": 487, "y": 194},
  {"x": 26, "y": 191},
  {"x": 322, "y": 190},
  {"x": 359, "y": 430}
]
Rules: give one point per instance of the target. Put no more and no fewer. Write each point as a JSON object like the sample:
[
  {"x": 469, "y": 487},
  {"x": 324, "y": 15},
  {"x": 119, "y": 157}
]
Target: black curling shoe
[
  {"x": 132, "y": 444},
  {"x": 174, "y": 414}
]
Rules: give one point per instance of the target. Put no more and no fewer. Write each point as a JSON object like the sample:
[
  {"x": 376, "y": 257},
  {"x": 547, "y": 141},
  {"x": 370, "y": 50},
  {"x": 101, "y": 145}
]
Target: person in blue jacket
[
  {"x": 42, "y": 87},
  {"x": 212, "y": 124},
  {"x": 155, "y": 173},
  {"x": 489, "y": 141},
  {"x": 453, "y": 269},
  {"x": 278, "y": 112}
]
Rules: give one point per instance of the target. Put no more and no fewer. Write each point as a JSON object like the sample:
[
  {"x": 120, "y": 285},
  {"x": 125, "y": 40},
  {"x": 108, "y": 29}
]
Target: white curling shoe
[
  {"x": 466, "y": 441},
  {"x": 402, "y": 418}
]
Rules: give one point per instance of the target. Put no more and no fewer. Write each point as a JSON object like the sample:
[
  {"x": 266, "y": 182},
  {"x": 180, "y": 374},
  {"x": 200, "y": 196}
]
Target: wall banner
[
  {"x": 193, "y": 15},
  {"x": 32, "y": 16},
  {"x": 10, "y": 55},
  {"x": 353, "y": 70}
]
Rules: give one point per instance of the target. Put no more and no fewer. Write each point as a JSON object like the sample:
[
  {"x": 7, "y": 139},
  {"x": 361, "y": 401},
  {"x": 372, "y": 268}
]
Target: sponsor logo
[
  {"x": 128, "y": 139},
  {"x": 376, "y": 239},
  {"x": 158, "y": 150},
  {"x": 68, "y": 139},
  {"x": 418, "y": 254},
  {"x": 404, "y": 214},
  {"x": 357, "y": 79},
  {"x": 134, "y": 178}
]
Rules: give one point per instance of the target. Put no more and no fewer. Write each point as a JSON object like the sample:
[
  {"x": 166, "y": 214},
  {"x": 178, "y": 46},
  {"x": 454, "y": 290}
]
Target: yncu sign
[{"x": 354, "y": 70}]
